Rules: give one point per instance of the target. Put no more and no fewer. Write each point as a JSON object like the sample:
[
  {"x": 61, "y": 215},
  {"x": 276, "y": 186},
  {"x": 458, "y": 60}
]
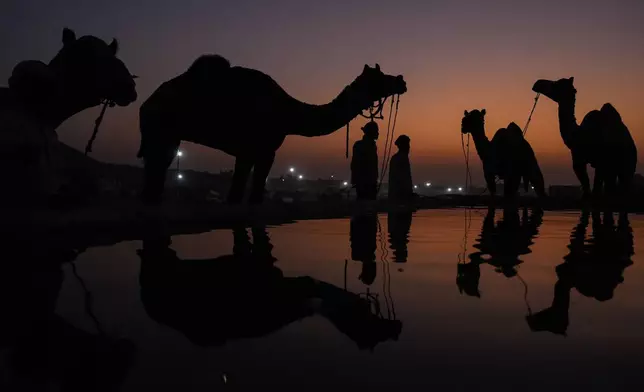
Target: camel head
[
  {"x": 89, "y": 69},
  {"x": 373, "y": 84},
  {"x": 473, "y": 121},
  {"x": 559, "y": 91}
]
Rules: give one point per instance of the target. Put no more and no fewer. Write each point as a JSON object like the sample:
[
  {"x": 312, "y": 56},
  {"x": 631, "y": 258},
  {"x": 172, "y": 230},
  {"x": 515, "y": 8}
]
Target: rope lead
[{"x": 97, "y": 124}]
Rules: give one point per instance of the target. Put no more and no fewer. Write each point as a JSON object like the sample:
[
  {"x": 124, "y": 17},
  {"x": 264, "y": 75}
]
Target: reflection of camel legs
[
  {"x": 240, "y": 178},
  {"x": 260, "y": 172},
  {"x": 157, "y": 160}
]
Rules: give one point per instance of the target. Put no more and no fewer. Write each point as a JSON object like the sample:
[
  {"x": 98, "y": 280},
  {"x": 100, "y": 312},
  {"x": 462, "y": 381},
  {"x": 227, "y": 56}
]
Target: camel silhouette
[
  {"x": 244, "y": 113},
  {"x": 42, "y": 96},
  {"x": 38, "y": 344},
  {"x": 601, "y": 140},
  {"x": 507, "y": 156}
]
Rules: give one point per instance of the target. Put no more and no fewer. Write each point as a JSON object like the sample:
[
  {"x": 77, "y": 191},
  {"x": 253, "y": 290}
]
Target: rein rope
[
  {"x": 97, "y": 124},
  {"x": 527, "y": 124},
  {"x": 375, "y": 112},
  {"x": 389, "y": 141}
]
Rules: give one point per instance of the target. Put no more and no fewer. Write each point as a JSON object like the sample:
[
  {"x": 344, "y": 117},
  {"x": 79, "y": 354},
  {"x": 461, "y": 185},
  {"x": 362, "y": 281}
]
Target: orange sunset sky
[{"x": 454, "y": 55}]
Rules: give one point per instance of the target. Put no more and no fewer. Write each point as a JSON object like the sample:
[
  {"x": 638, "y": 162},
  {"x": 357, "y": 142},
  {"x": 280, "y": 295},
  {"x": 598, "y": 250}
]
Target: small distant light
[
  {"x": 428, "y": 184},
  {"x": 300, "y": 177},
  {"x": 179, "y": 176},
  {"x": 345, "y": 183},
  {"x": 532, "y": 187},
  {"x": 179, "y": 153},
  {"x": 449, "y": 189},
  {"x": 291, "y": 169},
  {"x": 331, "y": 175},
  {"x": 415, "y": 186},
  {"x": 460, "y": 189}
]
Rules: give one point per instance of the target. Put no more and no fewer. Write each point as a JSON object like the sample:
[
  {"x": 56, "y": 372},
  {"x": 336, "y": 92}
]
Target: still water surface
[{"x": 439, "y": 299}]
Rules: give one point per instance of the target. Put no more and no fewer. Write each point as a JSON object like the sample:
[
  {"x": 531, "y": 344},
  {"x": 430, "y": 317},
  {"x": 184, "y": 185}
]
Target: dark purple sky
[{"x": 455, "y": 55}]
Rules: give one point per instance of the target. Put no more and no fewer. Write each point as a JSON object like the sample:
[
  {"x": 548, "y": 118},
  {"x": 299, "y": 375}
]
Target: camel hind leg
[
  {"x": 157, "y": 158},
  {"x": 261, "y": 169},
  {"x": 624, "y": 187},
  {"x": 537, "y": 181},
  {"x": 240, "y": 178}
]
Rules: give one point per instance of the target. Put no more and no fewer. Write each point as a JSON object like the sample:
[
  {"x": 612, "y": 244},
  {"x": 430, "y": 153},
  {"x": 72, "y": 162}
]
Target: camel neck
[
  {"x": 481, "y": 143},
  {"x": 567, "y": 122},
  {"x": 67, "y": 107},
  {"x": 321, "y": 120},
  {"x": 73, "y": 98}
]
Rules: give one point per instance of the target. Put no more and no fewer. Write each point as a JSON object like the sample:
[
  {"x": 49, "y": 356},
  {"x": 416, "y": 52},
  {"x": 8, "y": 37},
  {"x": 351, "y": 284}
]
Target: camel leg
[
  {"x": 240, "y": 178},
  {"x": 511, "y": 185},
  {"x": 623, "y": 190},
  {"x": 579, "y": 166},
  {"x": 157, "y": 159},
  {"x": 598, "y": 185},
  {"x": 260, "y": 173},
  {"x": 536, "y": 179},
  {"x": 491, "y": 184},
  {"x": 610, "y": 183}
]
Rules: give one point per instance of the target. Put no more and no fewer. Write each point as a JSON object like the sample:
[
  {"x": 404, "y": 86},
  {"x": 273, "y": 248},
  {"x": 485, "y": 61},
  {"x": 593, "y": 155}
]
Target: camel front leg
[
  {"x": 260, "y": 173},
  {"x": 490, "y": 182},
  {"x": 240, "y": 178},
  {"x": 598, "y": 184},
  {"x": 579, "y": 166}
]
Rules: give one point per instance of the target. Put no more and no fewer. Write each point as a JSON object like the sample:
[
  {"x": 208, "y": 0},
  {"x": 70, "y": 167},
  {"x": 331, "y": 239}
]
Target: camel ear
[
  {"x": 483, "y": 112},
  {"x": 68, "y": 36},
  {"x": 114, "y": 46},
  {"x": 572, "y": 79},
  {"x": 366, "y": 68},
  {"x": 377, "y": 67},
  {"x": 466, "y": 113}
]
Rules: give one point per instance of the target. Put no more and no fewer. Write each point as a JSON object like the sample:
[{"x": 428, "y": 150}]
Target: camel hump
[
  {"x": 209, "y": 62},
  {"x": 514, "y": 130},
  {"x": 207, "y": 68},
  {"x": 610, "y": 113}
]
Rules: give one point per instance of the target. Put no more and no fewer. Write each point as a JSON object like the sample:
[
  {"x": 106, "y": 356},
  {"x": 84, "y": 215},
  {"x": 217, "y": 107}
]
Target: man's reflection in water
[
  {"x": 594, "y": 267},
  {"x": 398, "y": 225},
  {"x": 245, "y": 295},
  {"x": 363, "y": 233},
  {"x": 43, "y": 348},
  {"x": 499, "y": 245}
]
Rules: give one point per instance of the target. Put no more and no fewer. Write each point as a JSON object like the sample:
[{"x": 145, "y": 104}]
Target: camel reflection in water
[
  {"x": 244, "y": 295},
  {"x": 43, "y": 349},
  {"x": 594, "y": 268},
  {"x": 499, "y": 245}
]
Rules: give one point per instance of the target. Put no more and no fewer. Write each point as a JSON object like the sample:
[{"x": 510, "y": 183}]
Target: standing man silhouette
[
  {"x": 364, "y": 164},
  {"x": 401, "y": 188}
]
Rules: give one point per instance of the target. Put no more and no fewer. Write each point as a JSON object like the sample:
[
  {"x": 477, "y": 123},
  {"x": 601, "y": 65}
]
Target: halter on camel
[{"x": 98, "y": 121}]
